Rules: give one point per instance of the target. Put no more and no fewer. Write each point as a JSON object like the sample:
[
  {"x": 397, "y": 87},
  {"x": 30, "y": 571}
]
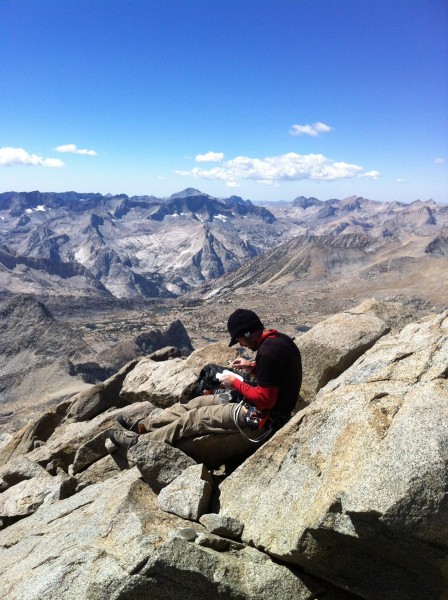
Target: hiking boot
[
  {"x": 119, "y": 438},
  {"x": 130, "y": 423}
]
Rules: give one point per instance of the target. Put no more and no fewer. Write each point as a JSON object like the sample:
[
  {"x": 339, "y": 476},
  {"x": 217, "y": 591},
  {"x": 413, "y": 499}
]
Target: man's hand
[
  {"x": 242, "y": 363},
  {"x": 227, "y": 381}
]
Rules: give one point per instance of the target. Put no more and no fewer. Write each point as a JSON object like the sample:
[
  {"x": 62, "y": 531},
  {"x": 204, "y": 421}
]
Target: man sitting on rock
[{"x": 267, "y": 405}]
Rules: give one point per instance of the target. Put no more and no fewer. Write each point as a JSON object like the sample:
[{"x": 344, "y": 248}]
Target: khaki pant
[{"x": 197, "y": 417}]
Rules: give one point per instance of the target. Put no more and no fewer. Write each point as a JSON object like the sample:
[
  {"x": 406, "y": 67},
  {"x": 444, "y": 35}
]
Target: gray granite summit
[
  {"x": 347, "y": 501},
  {"x": 354, "y": 488}
]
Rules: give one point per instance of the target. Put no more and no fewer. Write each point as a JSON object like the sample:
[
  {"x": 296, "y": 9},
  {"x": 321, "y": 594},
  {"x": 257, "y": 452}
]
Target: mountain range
[{"x": 79, "y": 245}]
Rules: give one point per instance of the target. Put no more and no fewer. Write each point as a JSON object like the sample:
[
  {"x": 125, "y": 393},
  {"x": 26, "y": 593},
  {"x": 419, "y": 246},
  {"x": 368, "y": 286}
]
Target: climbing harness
[{"x": 236, "y": 414}]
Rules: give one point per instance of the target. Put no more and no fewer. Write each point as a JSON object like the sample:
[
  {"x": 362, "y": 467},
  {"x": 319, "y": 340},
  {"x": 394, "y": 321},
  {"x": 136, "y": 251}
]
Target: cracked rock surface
[
  {"x": 112, "y": 541},
  {"x": 354, "y": 488},
  {"x": 348, "y": 501}
]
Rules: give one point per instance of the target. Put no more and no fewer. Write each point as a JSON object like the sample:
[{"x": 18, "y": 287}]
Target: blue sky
[{"x": 265, "y": 99}]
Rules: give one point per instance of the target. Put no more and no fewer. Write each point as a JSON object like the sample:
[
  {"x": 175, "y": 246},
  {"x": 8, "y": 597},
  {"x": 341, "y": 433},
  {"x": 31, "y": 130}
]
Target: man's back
[{"x": 278, "y": 364}]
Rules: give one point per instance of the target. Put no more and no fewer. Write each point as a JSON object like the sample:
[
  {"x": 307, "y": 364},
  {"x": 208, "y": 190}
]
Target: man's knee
[{"x": 199, "y": 401}]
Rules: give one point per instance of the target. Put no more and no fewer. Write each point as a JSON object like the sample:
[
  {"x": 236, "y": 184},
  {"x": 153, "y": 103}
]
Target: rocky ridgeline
[
  {"x": 348, "y": 500},
  {"x": 44, "y": 361},
  {"x": 89, "y": 245}
]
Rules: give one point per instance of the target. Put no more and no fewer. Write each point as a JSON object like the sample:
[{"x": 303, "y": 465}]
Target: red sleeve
[{"x": 262, "y": 397}]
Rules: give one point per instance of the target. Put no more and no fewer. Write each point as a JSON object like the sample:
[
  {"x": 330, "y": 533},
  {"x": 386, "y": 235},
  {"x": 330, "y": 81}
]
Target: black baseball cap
[{"x": 242, "y": 322}]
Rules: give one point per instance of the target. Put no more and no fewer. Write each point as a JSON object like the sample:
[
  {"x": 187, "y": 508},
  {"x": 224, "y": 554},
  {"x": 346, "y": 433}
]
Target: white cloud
[
  {"x": 232, "y": 184},
  {"x": 285, "y": 167},
  {"x": 268, "y": 182},
  {"x": 400, "y": 180},
  {"x": 313, "y": 130},
  {"x": 19, "y": 156},
  {"x": 370, "y": 175},
  {"x": 439, "y": 161},
  {"x": 74, "y": 150},
  {"x": 209, "y": 157}
]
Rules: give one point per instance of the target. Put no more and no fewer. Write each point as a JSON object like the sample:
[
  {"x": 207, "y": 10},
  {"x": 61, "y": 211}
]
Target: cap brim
[{"x": 232, "y": 342}]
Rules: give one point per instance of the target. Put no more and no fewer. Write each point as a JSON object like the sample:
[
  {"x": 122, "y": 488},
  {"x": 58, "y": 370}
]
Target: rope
[{"x": 236, "y": 413}]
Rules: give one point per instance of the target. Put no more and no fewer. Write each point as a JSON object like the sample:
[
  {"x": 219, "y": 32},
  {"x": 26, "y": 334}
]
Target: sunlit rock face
[
  {"x": 347, "y": 501},
  {"x": 355, "y": 485}
]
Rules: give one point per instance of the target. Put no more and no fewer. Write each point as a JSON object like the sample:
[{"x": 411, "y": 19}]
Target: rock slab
[
  {"x": 159, "y": 463},
  {"x": 354, "y": 488},
  {"x": 112, "y": 542},
  {"x": 333, "y": 345},
  {"x": 189, "y": 495}
]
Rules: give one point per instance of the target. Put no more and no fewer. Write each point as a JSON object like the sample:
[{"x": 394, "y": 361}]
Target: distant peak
[
  {"x": 236, "y": 200},
  {"x": 303, "y": 202},
  {"x": 187, "y": 193},
  {"x": 429, "y": 202}
]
